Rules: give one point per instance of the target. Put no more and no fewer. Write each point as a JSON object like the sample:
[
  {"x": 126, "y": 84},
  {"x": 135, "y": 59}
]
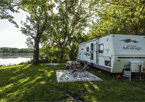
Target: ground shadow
[{"x": 39, "y": 83}]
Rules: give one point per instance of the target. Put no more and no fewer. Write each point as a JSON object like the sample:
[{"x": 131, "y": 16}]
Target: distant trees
[
  {"x": 1, "y": 51},
  {"x": 15, "y": 50}
]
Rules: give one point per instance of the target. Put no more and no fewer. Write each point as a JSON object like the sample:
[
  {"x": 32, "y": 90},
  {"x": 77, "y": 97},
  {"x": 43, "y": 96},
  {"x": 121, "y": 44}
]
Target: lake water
[{"x": 16, "y": 58}]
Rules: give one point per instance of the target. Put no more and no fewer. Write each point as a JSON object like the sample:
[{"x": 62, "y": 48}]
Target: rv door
[{"x": 97, "y": 52}]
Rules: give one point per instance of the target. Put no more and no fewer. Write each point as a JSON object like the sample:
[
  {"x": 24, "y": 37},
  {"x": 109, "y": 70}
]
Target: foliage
[
  {"x": 49, "y": 53},
  {"x": 7, "y": 6},
  {"x": 15, "y": 50},
  {"x": 67, "y": 26},
  {"x": 73, "y": 52},
  {"x": 39, "y": 83},
  {"x": 119, "y": 17},
  {"x": 1, "y": 51}
]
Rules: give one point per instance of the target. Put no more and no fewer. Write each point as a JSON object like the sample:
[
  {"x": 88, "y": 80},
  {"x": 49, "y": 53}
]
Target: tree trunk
[
  {"x": 36, "y": 43},
  {"x": 36, "y": 52}
]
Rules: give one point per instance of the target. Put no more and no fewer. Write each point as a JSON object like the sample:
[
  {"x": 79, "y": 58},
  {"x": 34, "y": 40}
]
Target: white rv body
[{"x": 114, "y": 52}]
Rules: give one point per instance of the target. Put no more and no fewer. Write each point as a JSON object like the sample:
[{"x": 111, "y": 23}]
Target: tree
[
  {"x": 5, "y": 50},
  {"x": 14, "y": 50},
  {"x": 119, "y": 17},
  {"x": 68, "y": 24},
  {"x": 1, "y": 51},
  {"x": 7, "y": 6},
  {"x": 36, "y": 23}
]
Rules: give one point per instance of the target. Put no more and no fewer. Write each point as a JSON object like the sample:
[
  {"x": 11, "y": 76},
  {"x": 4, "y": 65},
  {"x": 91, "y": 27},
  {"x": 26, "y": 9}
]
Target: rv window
[
  {"x": 101, "y": 48},
  {"x": 92, "y": 46},
  {"x": 92, "y": 56},
  {"x": 108, "y": 63},
  {"x": 87, "y": 49}
]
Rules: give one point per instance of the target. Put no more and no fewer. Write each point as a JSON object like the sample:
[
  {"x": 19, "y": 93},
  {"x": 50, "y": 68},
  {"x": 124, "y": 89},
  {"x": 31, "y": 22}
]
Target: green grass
[{"x": 38, "y": 83}]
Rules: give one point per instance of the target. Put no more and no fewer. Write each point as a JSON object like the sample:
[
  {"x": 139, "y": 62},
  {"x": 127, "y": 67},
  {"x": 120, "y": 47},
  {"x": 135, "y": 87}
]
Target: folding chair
[{"x": 77, "y": 70}]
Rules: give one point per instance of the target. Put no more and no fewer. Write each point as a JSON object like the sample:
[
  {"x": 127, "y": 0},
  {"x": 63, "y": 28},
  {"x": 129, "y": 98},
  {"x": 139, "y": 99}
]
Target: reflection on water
[
  {"x": 15, "y": 55},
  {"x": 15, "y": 58}
]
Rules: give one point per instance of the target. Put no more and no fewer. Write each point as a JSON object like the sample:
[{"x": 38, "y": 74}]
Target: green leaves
[
  {"x": 68, "y": 24},
  {"x": 7, "y": 6},
  {"x": 123, "y": 16},
  {"x": 36, "y": 23}
]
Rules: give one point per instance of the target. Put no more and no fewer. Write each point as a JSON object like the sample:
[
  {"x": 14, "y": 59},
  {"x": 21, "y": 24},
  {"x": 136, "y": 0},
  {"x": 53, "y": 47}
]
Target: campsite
[{"x": 72, "y": 50}]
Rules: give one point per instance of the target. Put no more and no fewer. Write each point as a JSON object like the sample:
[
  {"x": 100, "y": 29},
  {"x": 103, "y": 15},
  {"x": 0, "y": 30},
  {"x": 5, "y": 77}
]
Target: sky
[{"x": 10, "y": 36}]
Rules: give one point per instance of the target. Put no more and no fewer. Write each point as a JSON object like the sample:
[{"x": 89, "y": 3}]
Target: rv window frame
[
  {"x": 101, "y": 51},
  {"x": 87, "y": 49}
]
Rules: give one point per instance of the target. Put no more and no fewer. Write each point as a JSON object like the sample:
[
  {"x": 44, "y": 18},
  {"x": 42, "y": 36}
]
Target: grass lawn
[{"x": 38, "y": 83}]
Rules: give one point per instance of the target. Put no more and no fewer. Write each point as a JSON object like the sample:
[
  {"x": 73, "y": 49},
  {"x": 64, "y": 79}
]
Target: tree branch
[
  {"x": 44, "y": 25},
  {"x": 32, "y": 35}
]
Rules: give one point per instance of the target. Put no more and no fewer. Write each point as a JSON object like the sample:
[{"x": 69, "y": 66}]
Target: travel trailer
[{"x": 115, "y": 53}]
